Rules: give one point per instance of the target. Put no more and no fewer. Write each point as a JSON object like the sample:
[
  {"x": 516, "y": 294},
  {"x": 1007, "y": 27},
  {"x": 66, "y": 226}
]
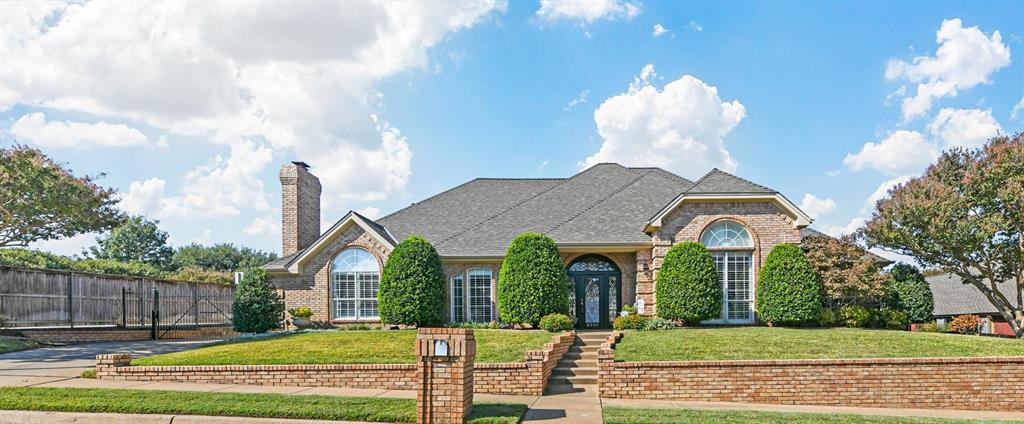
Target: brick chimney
[{"x": 300, "y": 207}]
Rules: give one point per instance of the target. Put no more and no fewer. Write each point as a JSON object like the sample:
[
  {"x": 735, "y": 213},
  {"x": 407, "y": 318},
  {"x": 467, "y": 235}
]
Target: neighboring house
[
  {"x": 953, "y": 297},
  {"x": 613, "y": 226}
]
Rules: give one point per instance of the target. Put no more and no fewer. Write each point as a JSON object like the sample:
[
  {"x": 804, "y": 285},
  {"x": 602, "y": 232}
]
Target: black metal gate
[{"x": 186, "y": 306}]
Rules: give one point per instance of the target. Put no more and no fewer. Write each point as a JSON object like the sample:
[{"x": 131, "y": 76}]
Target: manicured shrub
[
  {"x": 788, "y": 291},
  {"x": 929, "y": 328},
  {"x": 200, "y": 275},
  {"x": 855, "y": 316},
  {"x": 964, "y": 324},
  {"x": 630, "y": 310},
  {"x": 828, "y": 318},
  {"x": 688, "y": 288},
  {"x": 531, "y": 283},
  {"x": 556, "y": 323},
  {"x": 630, "y": 322},
  {"x": 908, "y": 291},
  {"x": 895, "y": 320},
  {"x": 656, "y": 323},
  {"x": 412, "y": 285},
  {"x": 257, "y": 308}
]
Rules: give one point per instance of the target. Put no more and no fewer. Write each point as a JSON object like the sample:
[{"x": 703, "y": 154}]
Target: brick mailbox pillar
[{"x": 444, "y": 371}]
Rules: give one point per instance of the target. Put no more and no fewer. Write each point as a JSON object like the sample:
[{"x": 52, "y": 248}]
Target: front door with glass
[{"x": 594, "y": 292}]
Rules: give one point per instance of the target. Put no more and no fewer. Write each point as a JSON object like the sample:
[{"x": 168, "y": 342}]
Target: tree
[
  {"x": 532, "y": 281},
  {"x": 223, "y": 257},
  {"x": 848, "y": 276},
  {"x": 687, "y": 286},
  {"x": 136, "y": 240},
  {"x": 257, "y": 307},
  {"x": 412, "y": 285},
  {"x": 788, "y": 291},
  {"x": 965, "y": 215},
  {"x": 908, "y": 291},
  {"x": 42, "y": 200}
]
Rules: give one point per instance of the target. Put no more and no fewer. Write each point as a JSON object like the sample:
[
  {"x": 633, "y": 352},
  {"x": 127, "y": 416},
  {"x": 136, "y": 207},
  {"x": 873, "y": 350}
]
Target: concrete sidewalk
[{"x": 37, "y": 417}]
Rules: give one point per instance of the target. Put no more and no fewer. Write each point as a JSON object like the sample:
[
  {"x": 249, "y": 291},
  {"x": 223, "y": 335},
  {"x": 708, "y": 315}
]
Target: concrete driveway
[{"x": 47, "y": 364}]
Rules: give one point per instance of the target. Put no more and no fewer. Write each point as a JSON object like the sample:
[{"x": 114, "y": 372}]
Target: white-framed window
[
  {"x": 355, "y": 279},
  {"x": 480, "y": 305},
  {"x": 458, "y": 298},
  {"x": 727, "y": 234}
]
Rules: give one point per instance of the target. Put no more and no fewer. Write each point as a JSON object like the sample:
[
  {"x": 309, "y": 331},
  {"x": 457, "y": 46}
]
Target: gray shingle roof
[
  {"x": 718, "y": 181},
  {"x": 952, "y": 297}
]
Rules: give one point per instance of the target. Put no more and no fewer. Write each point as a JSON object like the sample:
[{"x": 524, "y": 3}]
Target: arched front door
[{"x": 595, "y": 291}]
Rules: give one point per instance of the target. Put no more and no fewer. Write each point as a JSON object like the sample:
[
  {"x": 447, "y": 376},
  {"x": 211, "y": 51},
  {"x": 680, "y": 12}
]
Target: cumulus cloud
[
  {"x": 370, "y": 212},
  {"x": 816, "y": 207},
  {"x": 965, "y": 58},
  {"x": 882, "y": 191},
  {"x": 660, "y": 30},
  {"x": 842, "y": 230},
  {"x": 969, "y": 128},
  {"x": 901, "y": 152},
  {"x": 144, "y": 197},
  {"x": 265, "y": 226},
  {"x": 587, "y": 11},
  {"x": 680, "y": 128},
  {"x": 34, "y": 128}
]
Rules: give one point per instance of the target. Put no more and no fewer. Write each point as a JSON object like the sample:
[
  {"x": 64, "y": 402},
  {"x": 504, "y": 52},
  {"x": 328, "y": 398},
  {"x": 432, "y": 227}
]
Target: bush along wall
[
  {"x": 412, "y": 285},
  {"x": 531, "y": 283},
  {"x": 788, "y": 291},
  {"x": 909, "y": 293},
  {"x": 687, "y": 286},
  {"x": 257, "y": 307}
]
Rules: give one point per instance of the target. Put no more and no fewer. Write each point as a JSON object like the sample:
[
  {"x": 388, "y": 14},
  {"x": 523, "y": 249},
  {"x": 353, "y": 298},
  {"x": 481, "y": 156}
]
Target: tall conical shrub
[
  {"x": 412, "y": 285},
  {"x": 788, "y": 291},
  {"x": 257, "y": 307},
  {"x": 687, "y": 287},
  {"x": 532, "y": 281}
]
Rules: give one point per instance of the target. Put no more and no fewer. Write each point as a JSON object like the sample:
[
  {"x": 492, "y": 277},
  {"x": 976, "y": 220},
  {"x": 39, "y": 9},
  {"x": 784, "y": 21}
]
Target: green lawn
[
  {"x": 14, "y": 344},
  {"x": 348, "y": 347},
  {"x": 788, "y": 343},
  {"x": 691, "y": 416},
  {"x": 236, "y": 405}
]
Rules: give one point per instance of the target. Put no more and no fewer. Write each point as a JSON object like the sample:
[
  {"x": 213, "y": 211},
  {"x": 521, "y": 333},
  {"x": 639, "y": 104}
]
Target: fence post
[
  {"x": 71, "y": 304},
  {"x": 195, "y": 303},
  {"x": 141, "y": 302},
  {"x": 155, "y": 316},
  {"x": 124, "y": 307}
]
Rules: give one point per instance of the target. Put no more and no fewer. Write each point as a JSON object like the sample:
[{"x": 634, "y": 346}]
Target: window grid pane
[
  {"x": 480, "y": 295},
  {"x": 355, "y": 281},
  {"x": 458, "y": 299}
]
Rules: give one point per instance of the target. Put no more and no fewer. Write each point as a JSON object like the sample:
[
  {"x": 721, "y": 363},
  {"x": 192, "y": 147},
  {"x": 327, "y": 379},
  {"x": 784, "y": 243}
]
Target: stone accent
[
  {"x": 300, "y": 208},
  {"x": 519, "y": 378},
  {"x": 927, "y": 383},
  {"x": 445, "y": 393},
  {"x": 768, "y": 225}
]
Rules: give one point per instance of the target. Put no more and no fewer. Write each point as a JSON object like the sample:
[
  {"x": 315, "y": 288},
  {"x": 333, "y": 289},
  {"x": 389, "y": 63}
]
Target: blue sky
[{"x": 190, "y": 110}]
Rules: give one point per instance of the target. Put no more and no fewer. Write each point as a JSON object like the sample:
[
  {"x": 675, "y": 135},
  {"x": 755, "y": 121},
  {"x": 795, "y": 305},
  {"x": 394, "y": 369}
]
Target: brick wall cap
[{"x": 818, "y": 362}]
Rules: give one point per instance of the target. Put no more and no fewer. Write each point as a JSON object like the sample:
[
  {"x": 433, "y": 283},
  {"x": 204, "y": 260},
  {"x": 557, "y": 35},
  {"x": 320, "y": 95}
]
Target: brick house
[{"x": 613, "y": 225}]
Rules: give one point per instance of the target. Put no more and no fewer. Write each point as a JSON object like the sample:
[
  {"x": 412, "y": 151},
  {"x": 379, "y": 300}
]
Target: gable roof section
[
  {"x": 292, "y": 263},
  {"x": 718, "y": 185},
  {"x": 953, "y": 297}
]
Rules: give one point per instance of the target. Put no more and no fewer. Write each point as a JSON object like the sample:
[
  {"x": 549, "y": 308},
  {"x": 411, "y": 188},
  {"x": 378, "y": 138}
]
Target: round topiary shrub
[
  {"x": 556, "y": 323},
  {"x": 412, "y": 285},
  {"x": 257, "y": 308},
  {"x": 630, "y": 322},
  {"x": 531, "y": 283},
  {"x": 788, "y": 291},
  {"x": 910, "y": 293},
  {"x": 687, "y": 286},
  {"x": 964, "y": 324}
]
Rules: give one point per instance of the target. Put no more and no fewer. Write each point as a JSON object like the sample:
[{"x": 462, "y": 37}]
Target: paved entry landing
[{"x": 571, "y": 394}]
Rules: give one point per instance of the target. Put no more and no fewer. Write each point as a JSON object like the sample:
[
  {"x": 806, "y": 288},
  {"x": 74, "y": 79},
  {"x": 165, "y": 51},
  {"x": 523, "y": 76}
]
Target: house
[
  {"x": 613, "y": 225},
  {"x": 953, "y": 297}
]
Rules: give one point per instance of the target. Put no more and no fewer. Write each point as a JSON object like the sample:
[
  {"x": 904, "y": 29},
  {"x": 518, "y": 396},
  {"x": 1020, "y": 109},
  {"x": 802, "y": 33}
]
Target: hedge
[
  {"x": 788, "y": 291},
  {"x": 910, "y": 293},
  {"x": 687, "y": 286},
  {"x": 257, "y": 307},
  {"x": 412, "y": 285},
  {"x": 28, "y": 258},
  {"x": 532, "y": 281}
]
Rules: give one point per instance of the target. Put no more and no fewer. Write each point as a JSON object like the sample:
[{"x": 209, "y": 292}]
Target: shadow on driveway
[{"x": 70, "y": 361}]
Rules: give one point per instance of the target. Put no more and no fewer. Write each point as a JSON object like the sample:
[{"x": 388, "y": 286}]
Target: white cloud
[
  {"x": 969, "y": 128},
  {"x": 144, "y": 197},
  {"x": 660, "y": 30},
  {"x": 580, "y": 99},
  {"x": 299, "y": 78},
  {"x": 842, "y": 230},
  {"x": 370, "y": 212},
  {"x": 34, "y": 128},
  {"x": 694, "y": 26},
  {"x": 265, "y": 226},
  {"x": 882, "y": 191},
  {"x": 816, "y": 207},
  {"x": 680, "y": 128},
  {"x": 587, "y": 11},
  {"x": 899, "y": 153},
  {"x": 1017, "y": 108},
  {"x": 965, "y": 58},
  {"x": 70, "y": 246}
]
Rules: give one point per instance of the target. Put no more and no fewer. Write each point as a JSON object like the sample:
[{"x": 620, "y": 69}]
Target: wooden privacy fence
[{"x": 53, "y": 298}]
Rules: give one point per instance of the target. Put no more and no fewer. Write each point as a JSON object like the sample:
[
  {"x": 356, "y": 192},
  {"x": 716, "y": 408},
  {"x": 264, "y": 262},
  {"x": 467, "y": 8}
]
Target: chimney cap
[{"x": 301, "y": 163}]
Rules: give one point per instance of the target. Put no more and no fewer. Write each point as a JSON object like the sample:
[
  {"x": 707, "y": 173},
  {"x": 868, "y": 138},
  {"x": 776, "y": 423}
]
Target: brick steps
[{"x": 576, "y": 372}]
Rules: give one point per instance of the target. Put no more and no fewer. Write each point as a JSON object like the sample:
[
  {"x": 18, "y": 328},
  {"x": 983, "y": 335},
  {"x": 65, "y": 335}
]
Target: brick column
[
  {"x": 444, "y": 371},
  {"x": 106, "y": 365}
]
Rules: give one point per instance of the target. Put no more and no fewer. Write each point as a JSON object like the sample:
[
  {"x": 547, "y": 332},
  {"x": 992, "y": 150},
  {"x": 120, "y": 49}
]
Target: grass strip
[{"x": 694, "y": 416}]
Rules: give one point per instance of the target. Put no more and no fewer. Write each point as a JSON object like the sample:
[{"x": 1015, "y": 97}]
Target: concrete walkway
[{"x": 38, "y": 417}]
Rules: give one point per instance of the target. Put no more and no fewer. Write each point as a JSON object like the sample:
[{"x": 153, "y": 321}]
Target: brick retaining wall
[
  {"x": 111, "y": 334},
  {"x": 514, "y": 378},
  {"x": 930, "y": 383}
]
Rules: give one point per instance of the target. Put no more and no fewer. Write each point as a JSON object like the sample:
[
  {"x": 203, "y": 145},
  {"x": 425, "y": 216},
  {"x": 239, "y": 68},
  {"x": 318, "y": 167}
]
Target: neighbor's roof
[{"x": 953, "y": 297}]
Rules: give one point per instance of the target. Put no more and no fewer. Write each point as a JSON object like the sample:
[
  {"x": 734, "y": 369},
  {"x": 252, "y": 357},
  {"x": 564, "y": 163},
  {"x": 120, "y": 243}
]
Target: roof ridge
[
  {"x": 672, "y": 176},
  {"x": 600, "y": 201},
  {"x": 502, "y": 212},
  {"x": 520, "y": 179},
  {"x": 428, "y": 199},
  {"x": 719, "y": 171}
]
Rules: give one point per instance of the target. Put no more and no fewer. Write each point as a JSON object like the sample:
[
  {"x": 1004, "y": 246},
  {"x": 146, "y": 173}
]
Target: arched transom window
[
  {"x": 727, "y": 234},
  {"x": 355, "y": 279}
]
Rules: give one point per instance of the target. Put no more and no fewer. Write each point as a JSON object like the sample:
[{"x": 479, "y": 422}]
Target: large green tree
[
  {"x": 909, "y": 292},
  {"x": 42, "y": 200},
  {"x": 965, "y": 215},
  {"x": 848, "y": 275},
  {"x": 532, "y": 281},
  {"x": 136, "y": 240},
  {"x": 223, "y": 257}
]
